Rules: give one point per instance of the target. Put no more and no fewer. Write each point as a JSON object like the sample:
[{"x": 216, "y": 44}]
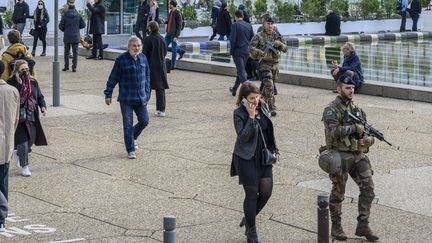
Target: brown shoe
[
  {"x": 366, "y": 232},
  {"x": 337, "y": 232}
]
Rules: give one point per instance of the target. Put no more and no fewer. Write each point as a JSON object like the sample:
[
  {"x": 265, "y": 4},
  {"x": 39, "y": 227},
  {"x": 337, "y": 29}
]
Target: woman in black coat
[
  {"x": 155, "y": 50},
  {"x": 97, "y": 27},
  {"x": 254, "y": 130},
  {"x": 41, "y": 20},
  {"x": 29, "y": 130},
  {"x": 224, "y": 23}
]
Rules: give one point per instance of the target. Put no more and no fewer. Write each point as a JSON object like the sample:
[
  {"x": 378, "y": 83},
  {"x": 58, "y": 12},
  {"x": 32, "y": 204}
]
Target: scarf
[{"x": 26, "y": 94}]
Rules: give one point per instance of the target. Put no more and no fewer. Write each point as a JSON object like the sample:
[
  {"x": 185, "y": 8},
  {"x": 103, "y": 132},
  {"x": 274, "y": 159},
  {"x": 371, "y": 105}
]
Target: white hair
[{"x": 133, "y": 39}]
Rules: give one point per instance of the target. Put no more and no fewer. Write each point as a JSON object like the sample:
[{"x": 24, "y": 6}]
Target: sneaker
[
  {"x": 2, "y": 227},
  {"x": 25, "y": 171},
  {"x": 15, "y": 159},
  {"x": 132, "y": 155},
  {"x": 160, "y": 113},
  {"x": 135, "y": 145}
]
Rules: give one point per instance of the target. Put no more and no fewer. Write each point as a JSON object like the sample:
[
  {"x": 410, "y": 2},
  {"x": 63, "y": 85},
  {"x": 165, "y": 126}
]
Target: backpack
[
  {"x": 20, "y": 56},
  {"x": 399, "y": 6}
]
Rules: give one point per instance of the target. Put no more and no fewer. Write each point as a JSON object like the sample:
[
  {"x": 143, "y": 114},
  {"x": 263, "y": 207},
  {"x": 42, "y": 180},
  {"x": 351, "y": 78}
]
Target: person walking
[
  {"x": 403, "y": 12},
  {"x": 224, "y": 23},
  {"x": 343, "y": 155},
  {"x": 20, "y": 15},
  {"x": 41, "y": 19},
  {"x": 71, "y": 22},
  {"x": 131, "y": 71},
  {"x": 352, "y": 63},
  {"x": 155, "y": 50},
  {"x": 154, "y": 12},
  {"x": 9, "y": 114},
  {"x": 246, "y": 17},
  {"x": 269, "y": 62},
  {"x": 141, "y": 20},
  {"x": 173, "y": 29},
  {"x": 214, "y": 17},
  {"x": 241, "y": 35},
  {"x": 415, "y": 11},
  {"x": 97, "y": 27},
  {"x": 333, "y": 23},
  {"x": 29, "y": 130},
  {"x": 255, "y": 132}
]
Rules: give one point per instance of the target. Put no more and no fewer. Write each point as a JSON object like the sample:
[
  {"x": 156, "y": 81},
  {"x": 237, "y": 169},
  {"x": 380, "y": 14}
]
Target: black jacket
[
  {"x": 246, "y": 16},
  {"x": 71, "y": 23},
  {"x": 176, "y": 23},
  {"x": 155, "y": 49},
  {"x": 241, "y": 34},
  {"x": 97, "y": 19},
  {"x": 143, "y": 11},
  {"x": 333, "y": 23},
  {"x": 39, "y": 20},
  {"x": 224, "y": 23},
  {"x": 1, "y": 26},
  {"x": 214, "y": 17},
  {"x": 20, "y": 13},
  {"x": 416, "y": 8}
]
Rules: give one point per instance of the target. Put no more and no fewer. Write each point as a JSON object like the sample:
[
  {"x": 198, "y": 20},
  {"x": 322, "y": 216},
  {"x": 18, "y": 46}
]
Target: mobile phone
[{"x": 245, "y": 103}]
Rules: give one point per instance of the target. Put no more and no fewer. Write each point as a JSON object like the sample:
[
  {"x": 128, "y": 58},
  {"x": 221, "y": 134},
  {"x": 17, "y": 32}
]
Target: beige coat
[{"x": 9, "y": 115}]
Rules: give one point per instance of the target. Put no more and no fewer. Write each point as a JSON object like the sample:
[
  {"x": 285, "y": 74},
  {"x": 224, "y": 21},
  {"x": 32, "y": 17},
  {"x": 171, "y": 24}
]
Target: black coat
[
  {"x": 39, "y": 20},
  {"x": 21, "y": 13},
  {"x": 176, "y": 23},
  {"x": 155, "y": 50},
  {"x": 333, "y": 23},
  {"x": 214, "y": 17},
  {"x": 241, "y": 35},
  {"x": 224, "y": 23},
  {"x": 143, "y": 11},
  {"x": 246, "y": 17},
  {"x": 71, "y": 23},
  {"x": 97, "y": 19},
  {"x": 415, "y": 8}
]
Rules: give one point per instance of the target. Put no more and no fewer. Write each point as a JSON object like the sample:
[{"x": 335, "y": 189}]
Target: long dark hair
[
  {"x": 246, "y": 89},
  {"x": 41, "y": 11}
]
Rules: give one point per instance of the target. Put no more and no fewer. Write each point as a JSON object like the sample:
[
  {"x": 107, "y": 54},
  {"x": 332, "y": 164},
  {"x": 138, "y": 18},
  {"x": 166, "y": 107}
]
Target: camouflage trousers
[
  {"x": 359, "y": 168},
  {"x": 269, "y": 73}
]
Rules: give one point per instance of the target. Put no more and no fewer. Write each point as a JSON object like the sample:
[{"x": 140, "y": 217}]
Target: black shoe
[
  {"x": 182, "y": 52},
  {"x": 273, "y": 113},
  {"x": 244, "y": 223},
  {"x": 99, "y": 58},
  {"x": 91, "y": 57},
  {"x": 43, "y": 54},
  {"x": 74, "y": 69},
  {"x": 65, "y": 69},
  {"x": 252, "y": 236},
  {"x": 33, "y": 53}
]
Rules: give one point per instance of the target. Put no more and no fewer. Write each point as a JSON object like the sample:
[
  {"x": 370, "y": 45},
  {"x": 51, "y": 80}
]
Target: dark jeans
[
  {"x": 214, "y": 34},
  {"x": 403, "y": 21},
  {"x": 141, "y": 27},
  {"x": 174, "y": 48},
  {"x": 39, "y": 33},
  {"x": 67, "y": 47},
  {"x": 415, "y": 18},
  {"x": 97, "y": 45},
  {"x": 240, "y": 63},
  {"x": 23, "y": 148},
  {"x": 130, "y": 131},
  {"x": 160, "y": 100},
  {"x": 4, "y": 183}
]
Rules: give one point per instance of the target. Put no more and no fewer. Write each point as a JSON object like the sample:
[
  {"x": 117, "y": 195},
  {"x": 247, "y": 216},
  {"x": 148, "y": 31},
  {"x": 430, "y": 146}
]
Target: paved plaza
[{"x": 83, "y": 188}]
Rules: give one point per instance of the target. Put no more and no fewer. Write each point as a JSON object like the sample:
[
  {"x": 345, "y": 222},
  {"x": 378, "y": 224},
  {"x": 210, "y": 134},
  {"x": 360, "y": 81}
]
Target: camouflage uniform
[
  {"x": 342, "y": 135},
  {"x": 269, "y": 67}
]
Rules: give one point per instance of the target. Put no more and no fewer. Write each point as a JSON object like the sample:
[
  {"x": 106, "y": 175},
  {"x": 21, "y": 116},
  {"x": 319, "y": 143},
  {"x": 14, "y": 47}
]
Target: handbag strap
[{"x": 262, "y": 135}]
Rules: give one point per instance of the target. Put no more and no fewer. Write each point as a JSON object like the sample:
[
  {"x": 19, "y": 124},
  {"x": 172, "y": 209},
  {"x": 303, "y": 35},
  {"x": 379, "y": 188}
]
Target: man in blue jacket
[
  {"x": 241, "y": 34},
  {"x": 403, "y": 12},
  {"x": 131, "y": 72},
  {"x": 351, "y": 63}
]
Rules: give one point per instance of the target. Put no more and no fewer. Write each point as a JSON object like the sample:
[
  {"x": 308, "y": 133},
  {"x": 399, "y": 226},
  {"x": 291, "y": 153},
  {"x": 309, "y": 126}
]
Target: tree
[
  {"x": 340, "y": 7},
  {"x": 284, "y": 11},
  {"x": 260, "y": 8}
]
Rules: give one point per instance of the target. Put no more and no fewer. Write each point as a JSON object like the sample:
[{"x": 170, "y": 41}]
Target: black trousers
[
  {"x": 97, "y": 45},
  {"x": 240, "y": 63},
  {"x": 39, "y": 33},
  {"x": 214, "y": 34},
  {"x": 160, "y": 99},
  {"x": 142, "y": 26},
  {"x": 403, "y": 21},
  {"x": 67, "y": 47}
]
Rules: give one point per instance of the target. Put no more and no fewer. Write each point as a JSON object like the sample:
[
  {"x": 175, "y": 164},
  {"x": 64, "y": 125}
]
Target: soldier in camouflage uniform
[
  {"x": 269, "y": 66},
  {"x": 344, "y": 153}
]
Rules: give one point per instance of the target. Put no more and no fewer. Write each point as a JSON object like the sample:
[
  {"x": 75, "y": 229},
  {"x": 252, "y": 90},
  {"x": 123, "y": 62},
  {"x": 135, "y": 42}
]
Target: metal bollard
[
  {"x": 169, "y": 223},
  {"x": 323, "y": 218}
]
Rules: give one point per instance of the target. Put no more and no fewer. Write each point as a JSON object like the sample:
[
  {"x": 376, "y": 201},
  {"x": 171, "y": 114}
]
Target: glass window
[{"x": 113, "y": 16}]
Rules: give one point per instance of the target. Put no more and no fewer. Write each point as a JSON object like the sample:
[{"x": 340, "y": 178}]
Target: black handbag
[
  {"x": 32, "y": 30},
  {"x": 268, "y": 157},
  {"x": 22, "y": 114}
]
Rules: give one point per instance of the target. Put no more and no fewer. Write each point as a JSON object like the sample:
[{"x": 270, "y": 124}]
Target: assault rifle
[
  {"x": 369, "y": 130},
  {"x": 269, "y": 47}
]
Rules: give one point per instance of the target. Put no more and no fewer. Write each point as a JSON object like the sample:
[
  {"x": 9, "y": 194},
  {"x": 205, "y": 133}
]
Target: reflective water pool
[{"x": 407, "y": 62}]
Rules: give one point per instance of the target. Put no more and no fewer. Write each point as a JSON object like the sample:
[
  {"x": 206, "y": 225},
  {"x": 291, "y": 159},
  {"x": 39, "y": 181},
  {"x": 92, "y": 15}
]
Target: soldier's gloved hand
[
  {"x": 359, "y": 128},
  {"x": 277, "y": 43},
  {"x": 261, "y": 53}
]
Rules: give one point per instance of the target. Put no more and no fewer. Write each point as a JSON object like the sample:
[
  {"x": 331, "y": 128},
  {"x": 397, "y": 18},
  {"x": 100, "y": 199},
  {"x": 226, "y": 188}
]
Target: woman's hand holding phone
[{"x": 251, "y": 108}]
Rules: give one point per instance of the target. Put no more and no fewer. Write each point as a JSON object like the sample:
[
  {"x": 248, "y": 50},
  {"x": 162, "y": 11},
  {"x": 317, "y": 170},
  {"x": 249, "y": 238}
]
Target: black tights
[{"x": 256, "y": 198}]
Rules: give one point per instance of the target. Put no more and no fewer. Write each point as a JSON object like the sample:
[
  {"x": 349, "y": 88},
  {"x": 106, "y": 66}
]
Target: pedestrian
[
  {"x": 224, "y": 22},
  {"x": 15, "y": 49},
  {"x": 131, "y": 71},
  {"x": 173, "y": 29},
  {"x": 268, "y": 67},
  {"x": 333, "y": 23},
  {"x": 71, "y": 22},
  {"x": 9, "y": 114},
  {"x": 245, "y": 13},
  {"x": 97, "y": 27},
  {"x": 20, "y": 15},
  {"x": 141, "y": 20},
  {"x": 352, "y": 63},
  {"x": 41, "y": 19},
  {"x": 403, "y": 11},
  {"x": 344, "y": 153},
  {"x": 241, "y": 35},
  {"x": 255, "y": 132},
  {"x": 415, "y": 11},
  {"x": 214, "y": 17},
  {"x": 29, "y": 130},
  {"x": 154, "y": 12},
  {"x": 155, "y": 50}
]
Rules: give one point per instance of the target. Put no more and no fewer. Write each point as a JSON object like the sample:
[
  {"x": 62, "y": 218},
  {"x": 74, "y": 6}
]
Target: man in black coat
[
  {"x": 20, "y": 14},
  {"x": 224, "y": 23},
  {"x": 97, "y": 27},
  {"x": 155, "y": 50},
  {"x": 333, "y": 23},
  {"x": 173, "y": 30},
  {"x": 415, "y": 12},
  {"x": 241, "y": 34},
  {"x": 141, "y": 22},
  {"x": 71, "y": 23},
  {"x": 245, "y": 13}
]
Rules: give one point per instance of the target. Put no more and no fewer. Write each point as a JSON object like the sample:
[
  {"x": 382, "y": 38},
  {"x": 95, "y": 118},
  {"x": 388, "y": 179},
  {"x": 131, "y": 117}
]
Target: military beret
[
  {"x": 269, "y": 19},
  {"x": 346, "y": 80}
]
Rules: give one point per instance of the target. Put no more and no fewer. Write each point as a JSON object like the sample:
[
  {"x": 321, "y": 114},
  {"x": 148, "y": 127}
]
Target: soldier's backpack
[{"x": 20, "y": 56}]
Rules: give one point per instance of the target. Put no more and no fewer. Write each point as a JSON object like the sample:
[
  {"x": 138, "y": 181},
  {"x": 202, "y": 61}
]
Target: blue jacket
[
  {"x": 241, "y": 35},
  {"x": 71, "y": 22},
  {"x": 404, "y": 5},
  {"x": 352, "y": 62},
  {"x": 133, "y": 77}
]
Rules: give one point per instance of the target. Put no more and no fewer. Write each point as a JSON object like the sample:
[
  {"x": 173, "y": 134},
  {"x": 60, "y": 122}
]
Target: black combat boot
[
  {"x": 364, "y": 230},
  {"x": 252, "y": 236},
  {"x": 337, "y": 231}
]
